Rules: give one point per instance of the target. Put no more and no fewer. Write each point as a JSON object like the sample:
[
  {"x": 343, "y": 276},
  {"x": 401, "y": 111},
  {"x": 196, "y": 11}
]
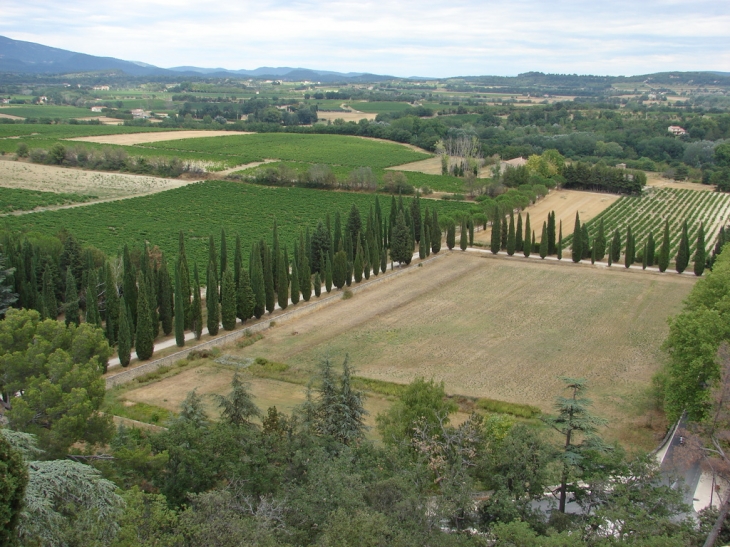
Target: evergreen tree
[
  {"x": 399, "y": 251},
  {"x": 526, "y": 247},
  {"x": 339, "y": 269},
  {"x": 599, "y": 243},
  {"x": 384, "y": 260},
  {"x": 650, "y": 250},
  {"x": 306, "y": 280},
  {"x": 544, "y": 241},
  {"x": 616, "y": 246},
  {"x": 422, "y": 244},
  {"x": 328, "y": 280},
  {"x": 295, "y": 290},
  {"x": 129, "y": 286},
  {"x": 664, "y": 251},
  {"x": 71, "y": 306},
  {"x": 282, "y": 291},
  {"x": 224, "y": 262},
  {"x": 353, "y": 229},
  {"x": 165, "y": 298},
  {"x": 535, "y": 246},
  {"x": 276, "y": 260},
  {"x": 682, "y": 260},
  {"x": 144, "y": 337},
  {"x": 644, "y": 257},
  {"x": 237, "y": 261},
  {"x": 628, "y": 254},
  {"x": 518, "y": 234},
  {"x": 585, "y": 243},
  {"x": 185, "y": 287},
  {"x": 338, "y": 233},
  {"x": 496, "y": 240},
  {"x": 348, "y": 273},
  {"x": 451, "y": 235},
  {"x": 463, "y": 236},
  {"x": 559, "y": 244},
  {"x": 593, "y": 254},
  {"x": 511, "y": 240},
  {"x": 503, "y": 234},
  {"x": 577, "y": 250},
  {"x": 375, "y": 254},
  {"x": 228, "y": 301},
  {"x": 245, "y": 298},
  {"x": 357, "y": 266},
  {"x": 124, "y": 346},
  {"x": 212, "y": 305},
  {"x": 551, "y": 233},
  {"x": 435, "y": 236},
  {"x": 179, "y": 312},
  {"x": 470, "y": 226},
  {"x": 700, "y": 255},
  {"x": 427, "y": 236},
  {"x": 317, "y": 285},
  {"x": 111, "y": 307},
  {"x": 269, "y": 279},
  {"x": 92, "y": 300},
  {"x": 196, "y": 308},
  {"x": 50, "y": 305},
  {"x": 257, "y": 283},
  {"x": 213, "y": 260}
]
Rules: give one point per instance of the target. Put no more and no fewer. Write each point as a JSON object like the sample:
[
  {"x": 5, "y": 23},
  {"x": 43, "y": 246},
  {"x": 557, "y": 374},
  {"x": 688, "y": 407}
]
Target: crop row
[
  {"x": 329, "y": 149},
  {"x": 202, "y": 209},
  {"x": 67, "y": 131},
  {"x": 14, "y": 199}
]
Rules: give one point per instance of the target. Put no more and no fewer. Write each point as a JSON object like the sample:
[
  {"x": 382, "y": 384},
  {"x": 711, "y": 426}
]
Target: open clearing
[
  {"x": 144, "y": 138},
  {"x": 565, "y": 203},
  {"x": 47, "y": 178},
  {"x": 656, "y": 179},
  {"x": 349, "y": 116},
  {"x": 500, "y": 328}
]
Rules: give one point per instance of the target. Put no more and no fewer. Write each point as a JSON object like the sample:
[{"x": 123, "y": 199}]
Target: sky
[{"x": 400, "y": 38}]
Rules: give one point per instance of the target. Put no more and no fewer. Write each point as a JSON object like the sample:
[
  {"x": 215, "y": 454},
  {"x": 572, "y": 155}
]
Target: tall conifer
[
  {"x": 599, "y": 243},
  {"x": 165, "y": 298},
  {"x": 144, "y": 338},
  {"x": 228, "y": 300},
  {"x": 269, "y": 280},
  {"x": 71, "y": 306},
  {"x": 306, "y": 280},
  {"x": 511, "y": 240},
  {"x": 124, "y": 346},
  {"x": 295, "y": 288},
  {"x": 451, "y": 235},
  {"x": 628, "y": 254},
  {"x": 435, "y": 236},
  {"x": 526, "y": 241},
  {"x": 282, "y": 285},
  {"x": 212, "y": 305},
  {"x": 577, "y": 245},
  {"x": 328, "y": 275},
  {"x": 616, "y": 246},
  {"x": 196, "y": 308},
  {"x": 50, "y": 305},
  {"x": 317, "y": 285},
  {"x": 664, "y": 251},
  {"x": 700, "y": 255},
  {"x": 245, "y": 298},
  {"x": 551, "y": 233},
  {"x": 544, "y": 241},
  {"x": 518, "y": 234},
  {"x": 179, "y": 312},
  {"x": 559, "y": 243},
  {"x": 496, "y": 240},
  {"x": 682, "y": 259},
  {"x": 463, "y": 236},
  {"x": 650, "y": 249}
]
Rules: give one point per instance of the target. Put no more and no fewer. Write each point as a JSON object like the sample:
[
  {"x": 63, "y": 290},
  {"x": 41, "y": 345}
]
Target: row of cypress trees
[{"x": 511, "y": 236}]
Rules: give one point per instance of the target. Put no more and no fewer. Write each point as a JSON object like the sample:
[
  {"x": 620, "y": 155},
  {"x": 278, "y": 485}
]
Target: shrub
[
  {"x": 38, "y": 155},
  {"x": 22, "y": 150}
]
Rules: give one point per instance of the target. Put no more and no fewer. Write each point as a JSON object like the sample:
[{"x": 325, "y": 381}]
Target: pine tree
[
  {"x": 317, "y": 285},
  {"x": 50, "y": 305},
  {"x": 518, "y": 234},
  {"x": 650, "y": 250},
  {"x": 628, "y": 254},
  {"x": 435, "y": 235},
  {"x": 526, "y": 246},
  {"x": 144, "y": 338},
  {"x": 599, "y": 243},
  {"x": 682, "y": 260},
  {"x": 463, "y": 236},
  {"x": 328, "y": 275},
  {"x": 551, "y": 233},
  {"x": 212, "y": 305},
  {"x": 616, "y": 246},
  {"x": 245, "y": 298},
  {"x": 496, "y": 239},
  {"x": 269, "y": 280},
  {"x": 124, "y": 345},
  {"x": 700, "y": 255},
  {"x": 306, "y": 280},
  {"x": 71, "y": 305},
  {"x": 375, "y": 254},
  {"x": 451, "y": 235},
  {"x": 179, "y": 312},
  {"x": 228, "y": 301},
  {"x": 544, "y": 241},
  {"x": 165, "y": 298},
  {"x": 383, "y": 260},
  {"x": 339, "y": 269},
  {"x": 511, "y": 240},
  {"x": 577, "y": 247},
  {"x": 559, "y": 244},
  {"x": 282, "y": 285},
  {"x": 196, "y": 308},
  {"x": 295, "y": 290},
  {"x": 664, "y": 251}
]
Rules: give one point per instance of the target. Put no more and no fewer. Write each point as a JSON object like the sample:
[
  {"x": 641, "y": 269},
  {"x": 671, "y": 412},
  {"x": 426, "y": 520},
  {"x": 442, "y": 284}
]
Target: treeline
[{"x": 582, "y": 176}]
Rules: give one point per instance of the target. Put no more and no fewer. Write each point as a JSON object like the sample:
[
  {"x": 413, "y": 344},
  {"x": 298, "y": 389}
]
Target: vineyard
[
  {"x": 648, "y": 213},
  {"x": 13, "y": 199},
  {"x": 202, "y": 209},
  {"x": 329, "y": 149}
]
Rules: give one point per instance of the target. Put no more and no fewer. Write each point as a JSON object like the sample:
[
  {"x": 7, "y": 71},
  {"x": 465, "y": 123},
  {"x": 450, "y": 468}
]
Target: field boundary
[{"x": 141, "y": 370}]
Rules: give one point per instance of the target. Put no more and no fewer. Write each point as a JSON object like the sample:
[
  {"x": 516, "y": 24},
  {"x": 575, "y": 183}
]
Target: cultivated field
[
  {"x": 503, "y": 329},
  {"x": 145, "y": 138},
  {"x": 14, "y": 199},
  {"x": 431, "y": 166},
  {"x": 348, "y": 115}
]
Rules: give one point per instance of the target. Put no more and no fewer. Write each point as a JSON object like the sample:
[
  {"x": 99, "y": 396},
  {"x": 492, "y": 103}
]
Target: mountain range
[{"x": 21, "y": 57}]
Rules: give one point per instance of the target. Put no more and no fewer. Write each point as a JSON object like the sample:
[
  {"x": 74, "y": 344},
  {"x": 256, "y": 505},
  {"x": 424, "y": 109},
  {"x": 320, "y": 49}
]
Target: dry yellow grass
[
  {"x": 144, "y": 138},
  {"x": 349, "y": 116}
]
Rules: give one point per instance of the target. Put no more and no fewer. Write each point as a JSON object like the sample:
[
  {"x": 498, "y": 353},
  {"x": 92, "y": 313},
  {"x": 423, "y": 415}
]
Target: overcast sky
[{"x": 401, "y": 38}]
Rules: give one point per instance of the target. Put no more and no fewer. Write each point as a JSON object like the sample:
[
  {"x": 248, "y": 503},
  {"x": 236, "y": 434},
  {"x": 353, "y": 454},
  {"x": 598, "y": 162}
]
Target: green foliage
[
  {"x": 179, "y": 312},
  {"x": 400, "y": 249},
  {"x": 700, "y": 257},
  {"x": 496, "y": 240},
  {"x": 13, "y": 481},
  {"x": 144, "y": 340},
  {"x": 16, "y": 199},
  {"x": 124, "y": 347},
  {"x": 526, "y": 246},
  {"x": 339, "y": 269},
  {"x": 71, "y": 305},
  {"x": 577, "y": 247},
  {"x": 664, "y": 250},
  {"x": 683, "y": 255},
  {"x": 238, "y": 407},
  {"x": 245, "y": 298},
  {"x": 196, "y": 308},
  {"x": 544, "y": 241},
  {"x": 212, "y": 305},
  {"x": 228, "y": 300}
]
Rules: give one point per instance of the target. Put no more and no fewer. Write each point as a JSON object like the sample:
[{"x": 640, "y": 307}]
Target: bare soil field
[
  {"x": 501, "y": 328},
  {"x": 350, "y": 116},
  {"x": 103, "y": 119},
  {"x": 144, "y": 138},
  {"x": 11, "y": 117},
  {"x": 47, "y": 178},
  {"x": 431, "y": 166},
  {"x": 565, "y": 203}
]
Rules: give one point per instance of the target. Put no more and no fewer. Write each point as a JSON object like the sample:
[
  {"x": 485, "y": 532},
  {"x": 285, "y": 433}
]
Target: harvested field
[
  {"x": 501, "y": 328},
  {"x": 130, "y": 139},
  {"x": 11, "y": 117},
  {"x": 349, "y": 116},
  {"x": 565, "y": 203},
  {"x": 47, "y": 178},
  {"x": 656, "y": 180},
  {"x": 431, "y": 166}
]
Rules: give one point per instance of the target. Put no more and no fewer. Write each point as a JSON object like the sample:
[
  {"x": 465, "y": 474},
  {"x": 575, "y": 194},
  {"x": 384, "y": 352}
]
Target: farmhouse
[
  {"x": 676, "y": 130},
  {"x": 97, "y": 108},
  {"x": 139, "y": 113},
  {"x": 101, "y": 88},
  {"x": 515, "y": 162}
]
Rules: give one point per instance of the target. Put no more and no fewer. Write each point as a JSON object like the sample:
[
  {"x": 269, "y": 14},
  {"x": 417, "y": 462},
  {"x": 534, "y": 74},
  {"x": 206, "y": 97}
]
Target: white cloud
[{"x": 404, "y": 38}]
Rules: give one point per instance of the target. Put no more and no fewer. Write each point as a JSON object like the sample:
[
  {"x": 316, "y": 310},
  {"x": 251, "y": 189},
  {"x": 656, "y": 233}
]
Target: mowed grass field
[{"x": 501, "y": 329}]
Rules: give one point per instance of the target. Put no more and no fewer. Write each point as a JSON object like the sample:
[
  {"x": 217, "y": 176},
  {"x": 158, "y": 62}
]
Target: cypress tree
[
  {"x": 628, "y": 258},
  {"x": 496, "y": 239},
  {"x": 328, "y": 275},
  {"x": 644, "y": 259},
  {"x": 196, "y": 308},
  {"x": 518, "y": 234},
  {"x": 144, "y": 338},
  {"x": 124, "y": 346},
  {"x": 700, "y": 255},
  {"x": 399, "y": 251},
  {"x": 228, "y": 300},
  {"x": 610, "y": 257},
  {"x": 616, "y": 246},
  {"x": 427, "y": 236},
  {"x": 269, "y": 280},
  {"x": 357, "y": 266},
  {"x": 165, "y": 298},
  {"x": 282, "y": 290},
  {"x": 317, "y": 285},
  {"x": 338, "y": 232},
  {"x": 111, "y": 304},
  {"x": 257, "y": 283},
  {"x": 526, "y": 247},
  {"x": 348, "y": 273},
  {"x": 129, "y": 283},
  {"x": 683, "y": 250},
  {"x": 544, "y": 241},
  {"x": 182, "y": 264},
  {"x": 50, "y": 305},
  {"x": 306, "y": 284},
  {"x": 179, "y": 312},
  {"x": 245, "y": 298},
  {"x": 295, "y": 289},
  {"x": 551, "y": 233},
  {"x": 237, "y": 261},
  {"x": 470, "y": 226},
  {"x": 535, "y": 246},
  {"x": 463, "y": 236},
  {"x": 435, "y": 236},
  {"x": 503, "y": 234},
  {"x": 599, "y": 243},
  {"x": 422, "y": 244},
  {"x": 213, "y": 259},
  {"x": 559, "y": 244},
  {"x": 92, "y": 300},
  {"x": 577, "y": 250},
  {"x": 339, "y": 269},
  {"x": 211, "y": 299},
  {"x": 451, "y": 235},
  {"x": 71, "y": 305},
  {"x": 650, "y": 250},
  {"x": 224, "y": 259},
  {"x": 511, "y": 240},
  {"x": 585, "y": 243},
  {"x": 383, "y": 260},
  {"x": 375, "y": 254},
  {"x": 664, "y": 251}
]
